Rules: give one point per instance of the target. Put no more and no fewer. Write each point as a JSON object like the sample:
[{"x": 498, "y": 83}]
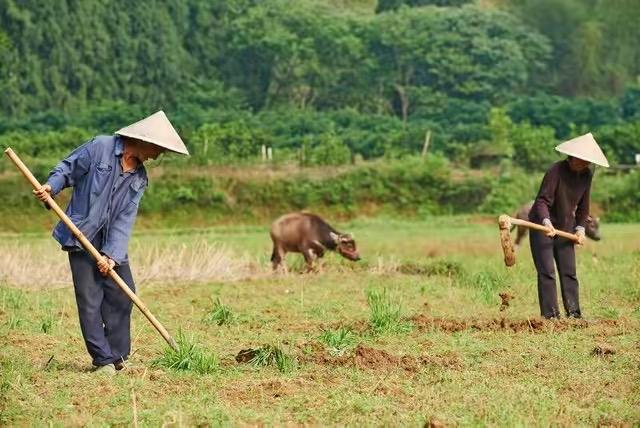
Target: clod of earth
[
  {"x": 506, "y": 298},
  {"x": 246, "y": 355},
  {"x": 433, "y": 423},
  {"x": 537, "y": 325},
  {"x": 603, "y": 349},
  {"x": 372, "y": 358}
]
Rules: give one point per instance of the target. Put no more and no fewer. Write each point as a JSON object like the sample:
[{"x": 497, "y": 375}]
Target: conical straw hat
[
  {"x": 584, "y": 147},
  {"x": 156, "y": 129}
]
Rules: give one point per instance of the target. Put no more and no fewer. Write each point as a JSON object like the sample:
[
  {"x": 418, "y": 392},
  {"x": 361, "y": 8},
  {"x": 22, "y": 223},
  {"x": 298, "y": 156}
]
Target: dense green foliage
[
  {"x": 411, "y": 187},
  {"x": 494, "y": 83}
]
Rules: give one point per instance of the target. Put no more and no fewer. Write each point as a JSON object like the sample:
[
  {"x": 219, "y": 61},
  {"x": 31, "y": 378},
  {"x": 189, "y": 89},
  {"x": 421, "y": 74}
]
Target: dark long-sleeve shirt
[{"x": 563, "y": 197}]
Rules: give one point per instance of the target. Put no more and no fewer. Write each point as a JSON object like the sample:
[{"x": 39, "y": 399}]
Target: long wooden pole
[
  {"x": 541, "y": 228},
  {"x": 91, "y": 249}
]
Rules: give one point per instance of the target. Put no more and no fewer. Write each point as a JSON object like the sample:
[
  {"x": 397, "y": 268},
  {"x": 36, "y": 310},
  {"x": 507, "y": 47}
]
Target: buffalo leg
[
  {"x": 308, "y": 258},
  {"x": 277, "y": 257},
  {"x": 318, "y": 249},
  {"x": 522, "y": 232}
]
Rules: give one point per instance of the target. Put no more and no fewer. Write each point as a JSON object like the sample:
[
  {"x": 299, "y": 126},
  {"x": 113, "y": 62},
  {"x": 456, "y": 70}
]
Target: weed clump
[
  {"x": 486, "y": 284},
  {"x": 220, "y": 314},
  {"x": 386, "y": 315},
  {"x": 267, "y": 355},
  {"x": 338, "y": 341},
  {"x": 188, "y": 357},
  {"x": 438, "y": 267},
  {"x": 46, "y": 324}
]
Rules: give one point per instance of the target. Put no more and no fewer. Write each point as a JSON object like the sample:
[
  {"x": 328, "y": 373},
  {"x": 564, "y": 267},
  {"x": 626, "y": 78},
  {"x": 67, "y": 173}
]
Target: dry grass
[{"x": 38, "y": 264}]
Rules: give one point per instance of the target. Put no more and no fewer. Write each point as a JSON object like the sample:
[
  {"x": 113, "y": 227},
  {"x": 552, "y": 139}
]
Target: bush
[
  {"x": 620, "y": 143},
  {"x": 563, "y": 114},
  {"x": 510, "y": 190},
  {"x": 621, "y": 199}
]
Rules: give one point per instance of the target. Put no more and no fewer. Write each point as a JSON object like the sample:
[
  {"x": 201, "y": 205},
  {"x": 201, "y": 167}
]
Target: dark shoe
[{"x": 122, "y": 365}]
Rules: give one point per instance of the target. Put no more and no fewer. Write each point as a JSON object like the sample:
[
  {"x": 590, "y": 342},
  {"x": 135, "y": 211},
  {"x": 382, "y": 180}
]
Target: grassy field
[{"x": 417, "y": 332}]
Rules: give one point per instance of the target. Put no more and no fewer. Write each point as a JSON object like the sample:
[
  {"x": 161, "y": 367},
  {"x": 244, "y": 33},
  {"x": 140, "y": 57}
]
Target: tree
[
  {"x": 466, "y": 53},
  {"x": 385, "y": 5},
  {"x": 285, "y": 53}
]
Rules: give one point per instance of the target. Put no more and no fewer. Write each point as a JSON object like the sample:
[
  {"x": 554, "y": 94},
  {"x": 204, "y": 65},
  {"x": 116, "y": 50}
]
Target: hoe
[
  {"x": 505, "y": 222},
  {"x": 91, "y": 249}
]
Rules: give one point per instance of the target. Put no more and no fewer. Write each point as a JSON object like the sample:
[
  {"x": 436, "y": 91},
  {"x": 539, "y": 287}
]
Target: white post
[
  {"x": 269, "y": 153},
  {"x": 427, "y": 140},
  {"x": 264, "y": 153}
]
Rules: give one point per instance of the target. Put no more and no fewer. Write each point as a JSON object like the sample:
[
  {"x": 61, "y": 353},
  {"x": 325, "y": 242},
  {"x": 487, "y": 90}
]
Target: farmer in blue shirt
[{"x": 108, "y": 179}]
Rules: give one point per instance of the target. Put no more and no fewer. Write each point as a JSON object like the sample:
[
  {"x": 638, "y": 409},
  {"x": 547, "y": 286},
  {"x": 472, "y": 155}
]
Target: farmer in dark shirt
[
  {"x": 563, "y": 203},
  {"x": 108, "y": 179}
]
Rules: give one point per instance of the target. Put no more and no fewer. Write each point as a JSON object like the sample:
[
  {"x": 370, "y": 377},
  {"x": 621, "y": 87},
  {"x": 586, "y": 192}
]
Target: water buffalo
[
  {"x": 592, "y": 228},
  {"x": 310, "y": 235}
]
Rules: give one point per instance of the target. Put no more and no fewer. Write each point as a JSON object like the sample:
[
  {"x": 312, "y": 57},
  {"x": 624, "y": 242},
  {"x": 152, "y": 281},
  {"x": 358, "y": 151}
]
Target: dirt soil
[
  {"x": 534, "y": 325},
  {"x": 246, "y": 355},
  {"x": 506, "y": 298},
  {"x": 603, "y": 350}
]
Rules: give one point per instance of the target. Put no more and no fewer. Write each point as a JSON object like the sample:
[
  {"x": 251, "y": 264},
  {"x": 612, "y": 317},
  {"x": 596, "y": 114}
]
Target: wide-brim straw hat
[
  {"x": 584, "y": 147},
  {"x": 156, "y": 129}
]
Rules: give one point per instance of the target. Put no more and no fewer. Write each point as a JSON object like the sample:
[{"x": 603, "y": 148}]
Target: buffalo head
[
  {"x": 592, "y": 228},
  {"x": 346, "y": 246}
]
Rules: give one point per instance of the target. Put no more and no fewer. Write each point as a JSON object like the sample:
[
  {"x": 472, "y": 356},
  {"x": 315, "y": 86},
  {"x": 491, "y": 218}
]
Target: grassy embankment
[{"x": 192, "y": 196}]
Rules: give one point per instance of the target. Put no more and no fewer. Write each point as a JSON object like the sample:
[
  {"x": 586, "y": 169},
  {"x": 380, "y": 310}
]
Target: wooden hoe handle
[
  {"x": 91, "y": 249},
  {"x": 508, "y": 221}
]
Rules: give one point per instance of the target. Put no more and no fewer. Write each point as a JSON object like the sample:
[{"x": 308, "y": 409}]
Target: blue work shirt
[{"x": 105, "y": 199}]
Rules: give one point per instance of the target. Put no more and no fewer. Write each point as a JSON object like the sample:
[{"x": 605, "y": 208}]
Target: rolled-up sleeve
[{"x": 70, "y": 169}]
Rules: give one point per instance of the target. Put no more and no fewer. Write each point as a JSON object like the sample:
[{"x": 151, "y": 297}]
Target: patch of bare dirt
[
  {"x": 433, "y": 423},
  {"x": 314, "y": 352},
  {"x": 611, "y": 421},
  {"x": 265, "y": 391},
  {"x": 533, "y": 325},
  {"x": 377, "y": 359},
  {"x": 365, "y": 357},
  {"x": 449, "y": 360},
  {"x": 246, "y": 355},
  {"x": 356, "y": 326}
]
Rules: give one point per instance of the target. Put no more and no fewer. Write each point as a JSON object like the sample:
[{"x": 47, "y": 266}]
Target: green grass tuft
[
  {"x": 386, "y": 315},
  {"x": 12, "y": 299},
  {"x": 338, "y": 340},
  {"x": 438, "y": 267},
  {"x": 46, "y": 324},
  {"x": 220, "y": 314},
  {"x": 188, "y": 357},
  {"x": 270, "y": 355}
]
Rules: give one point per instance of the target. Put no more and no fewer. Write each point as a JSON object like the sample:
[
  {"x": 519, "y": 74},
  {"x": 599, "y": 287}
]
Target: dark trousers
[
  {"x": 104, "y": 309},
  {"x": 544, "y": 251}
]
